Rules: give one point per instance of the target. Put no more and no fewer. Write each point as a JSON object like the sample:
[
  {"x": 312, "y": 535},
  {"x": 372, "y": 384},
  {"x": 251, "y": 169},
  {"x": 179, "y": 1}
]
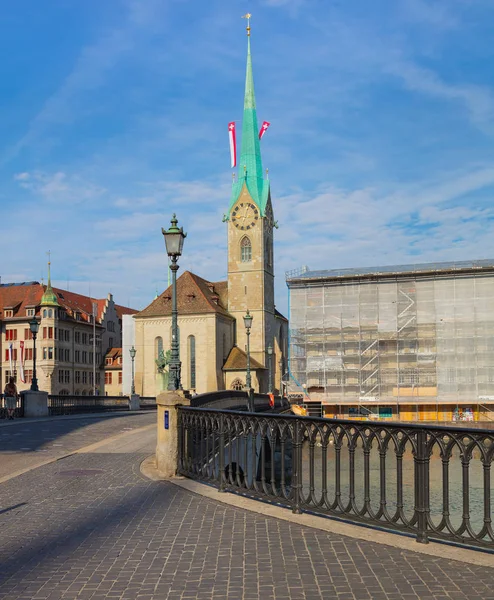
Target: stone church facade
[{"x": 212, "y": 336}]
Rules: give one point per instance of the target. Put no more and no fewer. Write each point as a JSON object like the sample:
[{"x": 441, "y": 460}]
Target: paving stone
[{"x": 116, "y": 535}]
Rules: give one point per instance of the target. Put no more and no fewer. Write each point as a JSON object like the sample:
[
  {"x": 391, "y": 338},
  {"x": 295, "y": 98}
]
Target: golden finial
[
  {"x": 49, "y": 257},
  {"x": 247, "y": 16}
]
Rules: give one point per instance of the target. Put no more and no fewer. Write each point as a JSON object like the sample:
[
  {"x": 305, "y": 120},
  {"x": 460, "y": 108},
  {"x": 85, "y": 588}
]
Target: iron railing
[
  {"x": 69, "y": 405},
  {"x": 430, "y": 481},
  {"x": 19, "y": 407},
  {"x": 147, "y": 402}
]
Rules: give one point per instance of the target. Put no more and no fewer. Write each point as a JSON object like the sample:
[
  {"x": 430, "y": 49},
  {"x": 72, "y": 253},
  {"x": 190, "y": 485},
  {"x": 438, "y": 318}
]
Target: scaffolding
[{"x": 415, "y": 333}]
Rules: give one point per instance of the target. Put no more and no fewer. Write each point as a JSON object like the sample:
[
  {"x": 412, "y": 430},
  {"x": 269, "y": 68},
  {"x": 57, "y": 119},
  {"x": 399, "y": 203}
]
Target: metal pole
[
  {"x": 34, "y": 381},
  {"x": 94, "y": 347},
  {"x": 248, "y": 380},
  {"x": 133, "y": 388},
  {"x": 270, "y": 373},
  {"x": 174, "y": 382}
]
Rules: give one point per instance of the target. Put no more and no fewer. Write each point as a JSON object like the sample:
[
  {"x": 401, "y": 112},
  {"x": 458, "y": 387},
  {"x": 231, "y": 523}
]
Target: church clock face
[{"x": 245, "y": 215}]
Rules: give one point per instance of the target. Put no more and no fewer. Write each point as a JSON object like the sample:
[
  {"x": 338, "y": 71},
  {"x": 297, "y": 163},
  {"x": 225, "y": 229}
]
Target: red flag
[
  {"x": 271, "y": 400},
  {"x": 264, "y": 127},
  {"x": 233, "y": 143}
]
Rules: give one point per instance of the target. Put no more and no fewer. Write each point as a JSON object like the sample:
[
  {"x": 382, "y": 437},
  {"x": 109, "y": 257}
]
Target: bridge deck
[{"x": 91, "y": 526}]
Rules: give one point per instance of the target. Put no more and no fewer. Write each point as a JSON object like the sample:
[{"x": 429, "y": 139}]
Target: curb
[{"x": 405, "y": 543}]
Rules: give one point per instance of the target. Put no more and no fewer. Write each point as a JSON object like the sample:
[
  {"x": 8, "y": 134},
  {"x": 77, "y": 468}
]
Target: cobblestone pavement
[
  {"x": 91, "y": 526},
  {"x": 27, "y": 443}
]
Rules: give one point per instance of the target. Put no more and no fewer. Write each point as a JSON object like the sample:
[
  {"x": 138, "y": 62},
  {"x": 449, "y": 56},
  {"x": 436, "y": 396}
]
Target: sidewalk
[{"x": 91, "y": 526}]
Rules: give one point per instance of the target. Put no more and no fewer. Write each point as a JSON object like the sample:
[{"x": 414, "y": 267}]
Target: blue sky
[{"x": 114, "y": 114}]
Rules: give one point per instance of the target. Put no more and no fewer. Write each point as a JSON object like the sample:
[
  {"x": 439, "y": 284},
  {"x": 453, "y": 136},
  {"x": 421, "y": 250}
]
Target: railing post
[
  {"x": 167, "y": 454},
  {"x": 221, "y": 452},
  {"x": 421, "y": 460},
  {"x": 297, "y": 467}
]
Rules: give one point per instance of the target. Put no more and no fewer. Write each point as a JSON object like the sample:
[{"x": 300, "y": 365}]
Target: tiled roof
[
  {"x": 195, "y": 295},
  {"x": 29, "y": 295},
  {"x": 237, "y": 361},
  {"x": 114, "y": 354}
]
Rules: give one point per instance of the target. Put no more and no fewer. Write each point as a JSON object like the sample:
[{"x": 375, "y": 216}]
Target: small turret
[{"x": 49, "y": 297}]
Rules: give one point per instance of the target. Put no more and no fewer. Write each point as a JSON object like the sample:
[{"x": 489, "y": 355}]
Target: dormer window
[
  {"x": 30, "y": 312},
  {"x": 108, "y": 361},
  {"x": 8, "y": 314}
]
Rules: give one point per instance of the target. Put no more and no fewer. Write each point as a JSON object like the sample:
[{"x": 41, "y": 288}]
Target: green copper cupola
[
  {"x": 250, "y": 171},
  {"x": 49, "y": 297}
]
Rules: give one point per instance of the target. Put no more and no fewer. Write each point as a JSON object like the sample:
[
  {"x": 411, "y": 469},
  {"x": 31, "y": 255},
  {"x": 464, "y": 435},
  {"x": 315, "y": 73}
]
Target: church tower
[{"x": 250, "y": 235}]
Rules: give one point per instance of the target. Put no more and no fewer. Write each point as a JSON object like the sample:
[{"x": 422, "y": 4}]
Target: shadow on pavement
[{"x": 29, "y": 436}]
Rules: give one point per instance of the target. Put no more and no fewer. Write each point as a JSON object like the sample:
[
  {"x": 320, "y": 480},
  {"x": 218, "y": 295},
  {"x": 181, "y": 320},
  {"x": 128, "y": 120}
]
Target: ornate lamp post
[
  {"x": 174, "y": 240},
  {"x": 132, "y": 353},
  {"x": 34, "y": 327},
  {"x": 270, "y": 369},
  {"x": 248, "y": 382}
]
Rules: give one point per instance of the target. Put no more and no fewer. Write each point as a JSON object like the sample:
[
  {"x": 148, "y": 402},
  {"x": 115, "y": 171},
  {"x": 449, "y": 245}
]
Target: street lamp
[
  {"x": 270, "y": 369},
  {"x": 174, "y": 240},
  {"x": 132, "y": 353},
  {"x": 248, "y": 382},
  {"x": 34, "y": 327}
]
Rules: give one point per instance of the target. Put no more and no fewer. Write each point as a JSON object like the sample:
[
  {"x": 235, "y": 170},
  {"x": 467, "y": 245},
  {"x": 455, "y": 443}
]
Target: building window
[
  {"x": 111, "y": 326},
  {"x": 192, "y": 361},
  {"x": 238, "y": 385},
  {"x": 67, "y": 376},
  {"x": 8, "y": 314},
  {"x": 9, "y": 374},
  {"x": 77, "y": 375},
  {"x": 245, "y": 250},
  {"x": 67, "y": 355},
  {"x": 84, "y": 376},
  {"x": 60, "y": 376},
  {"x": 108, "y": 361},
  {"x": 120, "y": 377},
  {"x": 50, "y": 353},
  {"x": 10, "y": 335},
  {"x": 30, "y": 312},
  {"x": 108, "y": 378},
  {"x": 158, "y": 347},
  {"x": 84, "y": 357},
  {"x": 77, "y": 357},
  {"x": 84, "y": 338},
  {"x": 7, "y": 354},
  {"x": 28, "y": 334},
  {"x": 28, "y": 354},
  {"x": 28, "y": 374},
  {"x": 45, "y": 313},
  {"x": 77, "y": 337},
  {"x": 67, "y": 335}
]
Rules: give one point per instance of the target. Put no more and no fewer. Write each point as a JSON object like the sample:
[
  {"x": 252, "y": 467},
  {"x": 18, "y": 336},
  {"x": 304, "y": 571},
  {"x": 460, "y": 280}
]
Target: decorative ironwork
[
  {"x": 70, "y": 405},
  {"x": 18, "y": 411},
  {"x": 430, "y": 481}
]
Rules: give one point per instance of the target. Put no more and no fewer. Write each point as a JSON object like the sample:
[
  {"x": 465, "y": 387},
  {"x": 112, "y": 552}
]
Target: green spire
[
  {"x": 250, "y": 163},
  {"x": 49, "y": 297}
]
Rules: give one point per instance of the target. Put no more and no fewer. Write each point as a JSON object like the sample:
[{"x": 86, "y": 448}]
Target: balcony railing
[{"x": 432, "y": 482}]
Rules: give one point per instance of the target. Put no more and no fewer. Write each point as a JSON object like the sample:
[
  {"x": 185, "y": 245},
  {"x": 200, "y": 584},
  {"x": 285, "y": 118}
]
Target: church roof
[
  {"x": 250, "y": 171},
  {"x": 237, "y": 361},
  {"x": 195, "y": 295}
]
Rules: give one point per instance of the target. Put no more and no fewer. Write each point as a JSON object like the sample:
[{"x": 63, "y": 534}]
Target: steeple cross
[{"x": 247, "y": 16}]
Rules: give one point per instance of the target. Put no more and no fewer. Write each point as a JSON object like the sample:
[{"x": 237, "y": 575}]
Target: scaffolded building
[{"x": 397, "y": 337}]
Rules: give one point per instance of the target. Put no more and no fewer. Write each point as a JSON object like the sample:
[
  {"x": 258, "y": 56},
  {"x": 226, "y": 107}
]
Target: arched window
[
  {"x": 45, "y": 312},
  {"x": 237, "y": 384},
  {"x": 191, "y": 342},
  {"x": 50, "y": 313},
  {"x": 158, "y": 346},
  {"x": 245, "y": 250}
]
